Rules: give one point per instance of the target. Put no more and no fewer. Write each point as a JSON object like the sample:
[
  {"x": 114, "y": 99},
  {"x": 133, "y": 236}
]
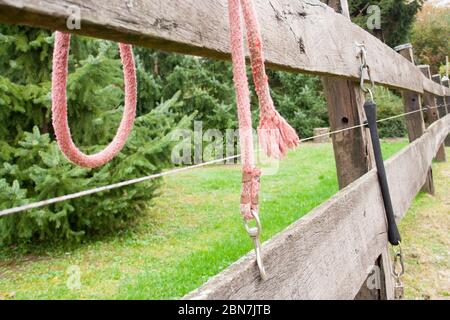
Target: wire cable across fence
[
  {"x": 80, "y": 194},
  {"x": 363, "y": 125},
  {"x": 40, "y": 204}
]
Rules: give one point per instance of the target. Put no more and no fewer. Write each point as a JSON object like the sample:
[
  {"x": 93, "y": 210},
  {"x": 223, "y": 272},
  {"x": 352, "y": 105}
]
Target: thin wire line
[
  {"x": 363, "y": 125},
  {"x": 80, "y": 194},
  {"x": 84, "y": 193},
  {"x": 399, "y": 116},
  {"x": 333, "y": 132}
]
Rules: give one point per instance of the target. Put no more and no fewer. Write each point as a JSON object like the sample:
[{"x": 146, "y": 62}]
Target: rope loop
[{"x": 59, "y": 106}]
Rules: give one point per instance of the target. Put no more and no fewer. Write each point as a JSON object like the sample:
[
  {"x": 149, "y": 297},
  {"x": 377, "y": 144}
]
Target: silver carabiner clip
[
  {"x": 365, "y": 66},
  {"x": 398, "y": 262},
  {"x": 254, "y": 233}
]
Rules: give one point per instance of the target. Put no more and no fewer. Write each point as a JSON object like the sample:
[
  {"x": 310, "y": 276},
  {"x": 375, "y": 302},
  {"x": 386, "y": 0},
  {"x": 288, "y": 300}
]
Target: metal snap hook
[
  {"x": 362, "y": 54},
  {"x": 398, "y": 273},
  {"x": 371, "y": 95},
  {"x": 254, "y": 233},
  {"x": 365, "y": 66},
  {"x": 398, "y": 268}
]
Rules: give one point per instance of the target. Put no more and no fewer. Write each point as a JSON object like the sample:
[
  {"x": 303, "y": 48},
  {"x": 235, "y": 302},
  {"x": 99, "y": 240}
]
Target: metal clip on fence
[
  {"x": 254, "y": 233},
  {"x": 398, "y": 270},
  {"x": 365, "y": 67},
  {"x": 394, "y": 237}
]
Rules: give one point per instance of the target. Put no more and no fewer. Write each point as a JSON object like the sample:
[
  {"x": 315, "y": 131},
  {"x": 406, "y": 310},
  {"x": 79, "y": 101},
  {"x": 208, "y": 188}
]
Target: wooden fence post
[
  {"x": 353, "y": 152},
  {"x": 414, "y": 122},
  {"x": 445, "y": 83},
  {"x": 352, "y": 149},
  {"x": 432, "y": 113},
  {"x": 442, "y": 110}
]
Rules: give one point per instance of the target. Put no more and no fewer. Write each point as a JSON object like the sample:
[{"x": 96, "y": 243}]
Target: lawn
[
  {"x": 192, "y": 232},
  {"x": 426, "y": 240}
]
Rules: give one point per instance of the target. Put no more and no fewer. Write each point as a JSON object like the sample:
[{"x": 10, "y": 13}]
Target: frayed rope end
[{"x": 276, "y": 136}]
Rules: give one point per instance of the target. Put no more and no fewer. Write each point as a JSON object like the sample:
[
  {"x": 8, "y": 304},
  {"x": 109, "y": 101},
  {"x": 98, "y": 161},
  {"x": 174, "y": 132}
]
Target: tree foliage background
[
  {"x": 430, "y": 36},
  {"x": 397, "y": 17},
  {"x": 174, "y": 90}
]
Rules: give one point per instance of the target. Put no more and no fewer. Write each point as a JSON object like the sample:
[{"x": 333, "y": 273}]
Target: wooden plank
[
  {"x": 434, "y": 88},
  {"x": 412, "y": 101},
  {"x": 414, "y": 161},
  {"x": 302, "y": 36},
  {"x": 353, "y": 150},
  {"x": 328, "y": 253},
  {"x": 429, "y": 85},
  {"x": 432, "y": 113},
  {"x": 446, "y": 83},
  {"x": 414, "y": 122},
  {"x": 440, "y": 100}
]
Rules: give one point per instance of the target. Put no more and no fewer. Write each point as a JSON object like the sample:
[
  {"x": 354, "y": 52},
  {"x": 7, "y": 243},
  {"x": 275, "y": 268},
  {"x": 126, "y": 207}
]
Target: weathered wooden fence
[{"x": 329, "y": 253}]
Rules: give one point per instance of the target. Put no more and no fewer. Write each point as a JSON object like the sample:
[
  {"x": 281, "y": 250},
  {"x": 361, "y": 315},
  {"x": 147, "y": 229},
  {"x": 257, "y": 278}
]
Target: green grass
[
  {"x": 193, "y": 231},
  {"x": 426, "y": 240}
]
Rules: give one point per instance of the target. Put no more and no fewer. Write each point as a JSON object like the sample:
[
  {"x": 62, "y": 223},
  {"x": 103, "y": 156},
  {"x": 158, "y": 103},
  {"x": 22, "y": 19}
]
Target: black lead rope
[{"x": 370, "y": 108}]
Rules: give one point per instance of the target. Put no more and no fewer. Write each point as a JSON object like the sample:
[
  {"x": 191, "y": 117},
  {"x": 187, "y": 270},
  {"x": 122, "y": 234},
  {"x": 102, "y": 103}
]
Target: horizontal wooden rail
[
  {"x": 302, "y": 36},
  {"x": 329, "y": 253}
]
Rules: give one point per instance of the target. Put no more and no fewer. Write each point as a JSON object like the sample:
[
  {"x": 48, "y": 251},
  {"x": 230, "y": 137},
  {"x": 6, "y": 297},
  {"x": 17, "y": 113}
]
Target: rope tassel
[{"x": 276, "y": 136}]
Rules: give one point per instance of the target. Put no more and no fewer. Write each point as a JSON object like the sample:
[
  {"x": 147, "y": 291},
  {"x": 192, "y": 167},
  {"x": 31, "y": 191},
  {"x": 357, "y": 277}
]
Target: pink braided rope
[
  {"x": 59, "y": 106},
  {"x": 250, "y": 183},
  {"x": 275, "y": 134}
]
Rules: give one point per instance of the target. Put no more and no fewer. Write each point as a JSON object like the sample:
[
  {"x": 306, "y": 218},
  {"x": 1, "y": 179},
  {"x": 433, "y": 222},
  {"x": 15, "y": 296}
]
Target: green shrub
[
  {"x": 31, "y": 166},
  {"x": 389, "y": 105},
  {"x": 300, "y": 100},
  {"x": 36, "y": 170}
]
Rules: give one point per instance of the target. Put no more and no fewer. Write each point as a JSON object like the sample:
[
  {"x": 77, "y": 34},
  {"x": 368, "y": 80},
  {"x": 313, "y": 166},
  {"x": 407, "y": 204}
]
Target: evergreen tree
[
  {"x": 299, "y": 99},
  {"x": 397, "y": 17},
  {"x": 31, "y": 166}
]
